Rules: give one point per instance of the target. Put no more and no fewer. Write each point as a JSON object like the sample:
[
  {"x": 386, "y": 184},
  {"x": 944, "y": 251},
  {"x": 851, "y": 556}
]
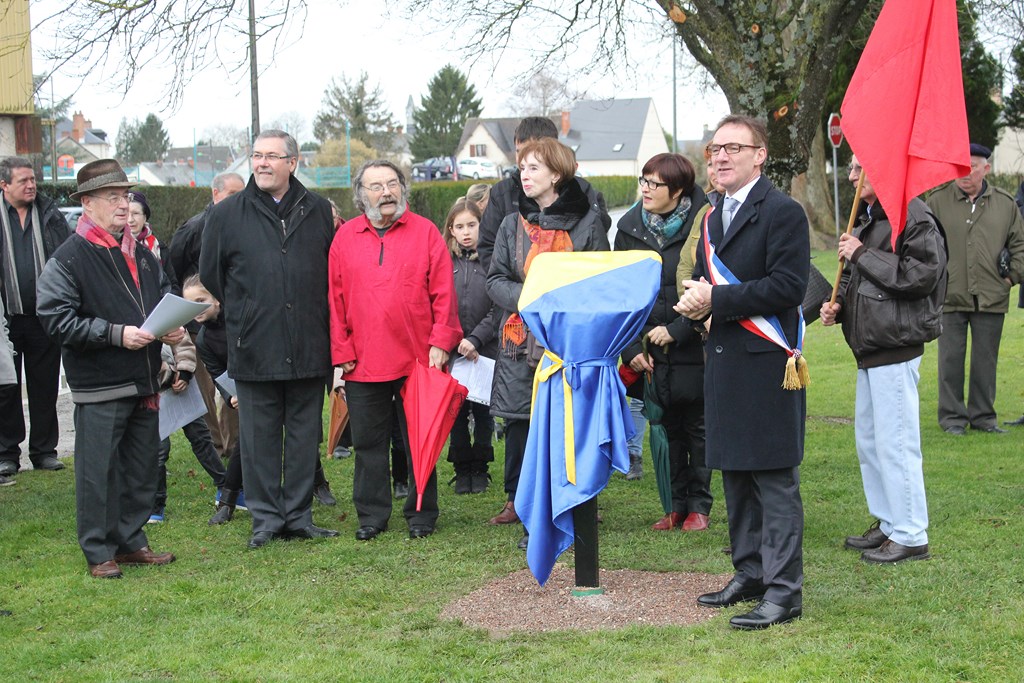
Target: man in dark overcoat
[
  {"x": 264, "y": 257},
  {"x": 755, "y": 427}
]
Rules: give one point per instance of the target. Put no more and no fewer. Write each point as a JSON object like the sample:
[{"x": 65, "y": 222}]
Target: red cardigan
[{"x": 391, "y": 297}]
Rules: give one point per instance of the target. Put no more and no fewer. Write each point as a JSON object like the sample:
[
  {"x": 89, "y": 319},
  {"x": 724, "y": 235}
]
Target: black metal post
[{"x": 584, "y": 518}]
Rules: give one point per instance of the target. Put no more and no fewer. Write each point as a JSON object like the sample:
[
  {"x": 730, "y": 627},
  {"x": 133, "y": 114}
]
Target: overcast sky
[{"x": 346, "y": 40}]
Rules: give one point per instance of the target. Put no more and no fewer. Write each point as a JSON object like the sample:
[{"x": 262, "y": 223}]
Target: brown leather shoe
[
  {"x": 891, "y": 552},
  {"x": 695, "y": 521},
  {"x": 144, "y": 556},
  {"x": 672, "y": 520},
  {"x": 105, "y": 570},
  {"x": 506, "y": 516},
  {"x": 869, "y": 540}
]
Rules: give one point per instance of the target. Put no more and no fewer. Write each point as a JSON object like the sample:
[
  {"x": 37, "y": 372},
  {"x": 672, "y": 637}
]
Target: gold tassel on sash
[{"x": 797, "y": 375}]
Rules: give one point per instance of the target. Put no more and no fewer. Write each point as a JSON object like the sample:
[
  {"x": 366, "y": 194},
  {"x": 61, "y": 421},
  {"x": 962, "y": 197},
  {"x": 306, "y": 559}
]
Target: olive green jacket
[{"x": 975, "y": 234}]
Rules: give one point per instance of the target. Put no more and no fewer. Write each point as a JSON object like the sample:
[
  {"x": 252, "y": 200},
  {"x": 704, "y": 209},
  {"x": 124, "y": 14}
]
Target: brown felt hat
[{"x": 97, "y": 175}]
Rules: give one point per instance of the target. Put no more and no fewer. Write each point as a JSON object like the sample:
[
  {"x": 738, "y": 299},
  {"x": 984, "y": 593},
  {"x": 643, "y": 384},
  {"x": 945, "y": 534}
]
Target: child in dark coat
[{"x": 479, "y": 320}]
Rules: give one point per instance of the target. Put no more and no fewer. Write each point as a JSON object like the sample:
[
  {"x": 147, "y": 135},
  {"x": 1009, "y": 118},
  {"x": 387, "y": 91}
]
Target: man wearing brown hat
[
  {"x": 985, "y": 237},
  {"x": 92, "y": 297}
]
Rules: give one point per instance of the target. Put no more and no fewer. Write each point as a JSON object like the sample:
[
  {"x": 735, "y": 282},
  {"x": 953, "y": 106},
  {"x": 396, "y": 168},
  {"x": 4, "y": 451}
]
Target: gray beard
[{"x": 375, "y": 216}]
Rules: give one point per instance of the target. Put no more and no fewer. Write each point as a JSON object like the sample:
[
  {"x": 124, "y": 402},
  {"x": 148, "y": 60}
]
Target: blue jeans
[
  {"x": 888, "y": 434},
  {"x": 636, "y": 444}
]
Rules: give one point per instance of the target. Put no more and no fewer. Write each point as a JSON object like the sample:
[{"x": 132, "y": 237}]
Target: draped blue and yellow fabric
[{"x": 584, "y": 309}]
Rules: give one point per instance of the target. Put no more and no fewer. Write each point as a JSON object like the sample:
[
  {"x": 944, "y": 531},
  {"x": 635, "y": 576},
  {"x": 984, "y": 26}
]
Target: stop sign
[{"x": 835, "y": 131}]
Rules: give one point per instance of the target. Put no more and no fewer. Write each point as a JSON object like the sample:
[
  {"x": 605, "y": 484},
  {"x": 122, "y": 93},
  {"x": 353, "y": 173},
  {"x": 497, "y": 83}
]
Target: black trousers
[
  {"x": 766, "y": 528},
  {"x": 472, "y": 455},
  {"x": 373, "y": 408},
  {"x": 280, "y": 425},
  {"x": 516, "y": 433},
  {"x": 198, "y": 435},
  {"x": 41, "y": 358},
  {"x": 691, "y": 479},
  {"x": 115, "y": 476}
]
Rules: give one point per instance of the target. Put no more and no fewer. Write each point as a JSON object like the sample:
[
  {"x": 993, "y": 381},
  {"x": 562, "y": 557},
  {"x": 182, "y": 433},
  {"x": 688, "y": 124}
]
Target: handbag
[
  {"x": 819, "y": 290},
  {"x": 339, "y": 419}
]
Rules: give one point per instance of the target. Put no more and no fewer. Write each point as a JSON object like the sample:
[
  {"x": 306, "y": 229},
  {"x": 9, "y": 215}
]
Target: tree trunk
[{"x": 813, "y": 189}]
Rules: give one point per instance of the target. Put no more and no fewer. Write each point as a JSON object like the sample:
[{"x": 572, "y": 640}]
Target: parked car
[
  {"x": 478, "y": 167},
  {"x": 436, "y": 168},
  {"x": 71, "y": 215}
]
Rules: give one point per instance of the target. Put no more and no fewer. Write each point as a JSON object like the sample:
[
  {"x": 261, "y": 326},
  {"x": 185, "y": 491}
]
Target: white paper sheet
[
  {"x": 476, "y": 376},
  {"x": 226, "y": 383},
  {"x": 171, "y": 313},
  {"x": 177, "y": 410}
]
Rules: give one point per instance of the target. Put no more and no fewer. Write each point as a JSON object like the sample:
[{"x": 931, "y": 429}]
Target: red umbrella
[{"x": 432, "y": 400}]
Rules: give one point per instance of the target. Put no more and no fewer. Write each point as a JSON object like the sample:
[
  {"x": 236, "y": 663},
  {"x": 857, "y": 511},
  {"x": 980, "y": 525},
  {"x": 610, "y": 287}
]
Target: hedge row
[{"x": 172, "y": 205}]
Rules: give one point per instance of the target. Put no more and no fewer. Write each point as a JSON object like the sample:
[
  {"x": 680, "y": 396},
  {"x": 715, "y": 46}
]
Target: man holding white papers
[{"x": 92, "y": 297}]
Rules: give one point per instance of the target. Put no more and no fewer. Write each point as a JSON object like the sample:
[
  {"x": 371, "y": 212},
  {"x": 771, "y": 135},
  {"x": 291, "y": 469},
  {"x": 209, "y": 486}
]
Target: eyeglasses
[
  {"x": 257, "y": 156},
  {"x": 729, "y": 147},
  {"x": 379, "y": 187},
  {"x": 114, "y": 199},
  {"x": 650, "y": 184}
]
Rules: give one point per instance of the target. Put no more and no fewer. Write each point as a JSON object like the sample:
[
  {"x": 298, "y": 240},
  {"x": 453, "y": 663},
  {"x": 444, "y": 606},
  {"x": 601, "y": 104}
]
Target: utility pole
[
  {"x": 253, "y": 79},
  {"x": 675, "y": 116}
]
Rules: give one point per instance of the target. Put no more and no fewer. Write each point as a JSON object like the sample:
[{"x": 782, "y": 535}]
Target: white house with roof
[
  {"x": 609, "y": 137},
  {"x": 613, "y": 137},
  {"x": 492, "y": 139}
]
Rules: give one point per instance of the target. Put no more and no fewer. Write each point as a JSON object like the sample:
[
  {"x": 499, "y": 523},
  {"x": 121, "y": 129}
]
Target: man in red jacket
[{"x": 392, "y": 298}]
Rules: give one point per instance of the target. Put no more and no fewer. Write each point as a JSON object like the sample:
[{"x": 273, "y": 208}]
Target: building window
[{"x": 478, "y": 150}]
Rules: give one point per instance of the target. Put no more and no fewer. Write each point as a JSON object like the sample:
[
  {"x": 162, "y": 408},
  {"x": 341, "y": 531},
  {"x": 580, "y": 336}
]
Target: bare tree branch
[{"x": 90, "y": 37}]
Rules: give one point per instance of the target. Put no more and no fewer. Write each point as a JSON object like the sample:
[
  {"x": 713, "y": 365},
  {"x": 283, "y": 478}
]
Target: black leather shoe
[
  {"x": 49, "y": 463},
  {"x": 524, "y": 542},
  {"x": 872, "y": 538},
  {"x": 261, "y": 538},
  {"x": 463, "y": 483},
  {"x": 891, "y": 552},
  {"x": 401, "y": 490},
  {"x": 990, "y": 429},
  {"x": 8, "y": 468},
  {"x": 367, "y": 533},
  {"x": 323, "y": 494},
  {"x": 420, "y": 531},
  {"x": 479, "y": 481},
  {"x": 764, "y": 615},
  {"x": 311, "y": 531},
  {"x": 955, "y": 430},
  {"x": 1019, "y": 422},
  {"x": 734, "y": 592}
]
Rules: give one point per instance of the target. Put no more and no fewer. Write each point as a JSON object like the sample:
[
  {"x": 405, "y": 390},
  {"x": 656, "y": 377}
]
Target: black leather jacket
[{"x": 892, "y": 301}]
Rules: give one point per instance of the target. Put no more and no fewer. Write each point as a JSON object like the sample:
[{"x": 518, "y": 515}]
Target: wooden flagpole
[{"x": 849, "y": 229}]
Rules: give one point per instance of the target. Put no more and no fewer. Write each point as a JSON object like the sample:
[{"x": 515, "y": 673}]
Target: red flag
[{"x": 904, "y": 111}]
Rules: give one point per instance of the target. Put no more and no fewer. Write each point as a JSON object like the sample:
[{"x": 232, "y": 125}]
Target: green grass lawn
[{"x": 348, "y": 611}]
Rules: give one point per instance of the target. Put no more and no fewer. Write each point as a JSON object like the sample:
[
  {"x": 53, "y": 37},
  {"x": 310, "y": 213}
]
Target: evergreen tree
[
  {"x": 442, "y": 114},
  {"x": 138, "y": 142},
  {"x": 982, "y": 77},
  {"x": 363, "y": 108},
  {"x": 1013, "y": 105}
]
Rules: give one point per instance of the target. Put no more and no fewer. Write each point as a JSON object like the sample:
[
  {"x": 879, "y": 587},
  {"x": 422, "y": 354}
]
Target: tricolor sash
[{"x": 766, "y": 327}]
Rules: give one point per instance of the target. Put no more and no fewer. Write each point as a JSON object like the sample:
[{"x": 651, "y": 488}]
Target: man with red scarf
[{"x": 92, "y": 298}]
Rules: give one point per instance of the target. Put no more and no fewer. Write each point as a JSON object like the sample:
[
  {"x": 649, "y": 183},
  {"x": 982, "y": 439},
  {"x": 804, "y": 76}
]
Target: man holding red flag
[{"x": 890, "y": 304}]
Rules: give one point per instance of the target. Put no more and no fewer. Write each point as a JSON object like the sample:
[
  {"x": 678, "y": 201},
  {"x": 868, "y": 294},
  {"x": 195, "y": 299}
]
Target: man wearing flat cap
[
  {"x": 985, "y": 236},
  {"x": 92, "y": 298}
]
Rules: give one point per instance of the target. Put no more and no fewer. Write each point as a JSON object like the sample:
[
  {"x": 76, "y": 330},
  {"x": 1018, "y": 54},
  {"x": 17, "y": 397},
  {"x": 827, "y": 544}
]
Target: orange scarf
[{"x": 541, "y": 241}]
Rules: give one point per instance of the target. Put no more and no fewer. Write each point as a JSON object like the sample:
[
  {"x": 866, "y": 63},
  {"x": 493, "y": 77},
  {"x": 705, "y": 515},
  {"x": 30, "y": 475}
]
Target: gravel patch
[{"x": 515, "y": 603}]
